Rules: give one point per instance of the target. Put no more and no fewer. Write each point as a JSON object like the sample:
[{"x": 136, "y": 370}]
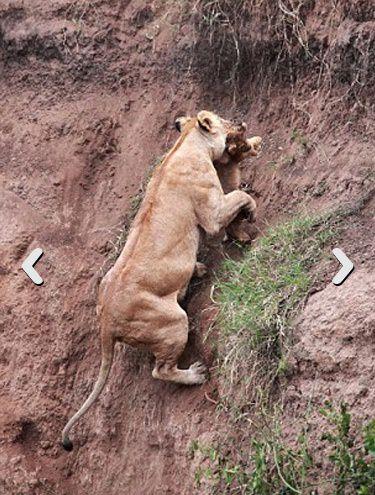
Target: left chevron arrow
[{"x": 28, "y": 266}]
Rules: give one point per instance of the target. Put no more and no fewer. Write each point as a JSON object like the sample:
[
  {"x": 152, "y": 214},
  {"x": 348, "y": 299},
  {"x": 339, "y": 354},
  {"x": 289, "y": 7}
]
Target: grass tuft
[
  {"x": 258, "y": 297},
  {"x": 271, "y": 465}
]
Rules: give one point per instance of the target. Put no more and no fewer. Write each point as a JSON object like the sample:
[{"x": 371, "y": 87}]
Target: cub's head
[
  {"x": 237, "y": 147},
  {"x": 213, "y": 128}
]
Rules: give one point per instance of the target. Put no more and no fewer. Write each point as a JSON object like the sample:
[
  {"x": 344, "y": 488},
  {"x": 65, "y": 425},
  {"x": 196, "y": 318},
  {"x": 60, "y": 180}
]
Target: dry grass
[{"x": 269, "y": 42}]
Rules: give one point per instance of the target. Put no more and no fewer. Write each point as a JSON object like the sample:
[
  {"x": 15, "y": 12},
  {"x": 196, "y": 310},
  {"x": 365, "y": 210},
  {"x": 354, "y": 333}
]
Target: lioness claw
[{"x": 199, "y": 371}]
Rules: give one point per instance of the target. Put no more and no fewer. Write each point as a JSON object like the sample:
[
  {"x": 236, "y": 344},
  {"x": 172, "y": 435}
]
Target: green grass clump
[
  {"x": 258, "y": 297},
  {"x": 353, "y": 463},
  {"x": 299, "y": 138},
  {"x": 270, "y": 465}
]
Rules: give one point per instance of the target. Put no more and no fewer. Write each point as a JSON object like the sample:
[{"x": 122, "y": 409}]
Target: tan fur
[
  {"x": 228, "y": 170},
  {"x": 238, "y": 148},
  {"x": 138, "y": 298}
]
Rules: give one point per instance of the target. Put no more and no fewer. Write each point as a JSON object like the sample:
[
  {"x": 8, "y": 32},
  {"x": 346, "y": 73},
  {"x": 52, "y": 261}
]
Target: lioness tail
[{"x": 105, "y": 367}]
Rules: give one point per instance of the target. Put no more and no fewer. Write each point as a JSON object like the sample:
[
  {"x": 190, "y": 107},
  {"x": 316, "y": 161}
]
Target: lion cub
[{"x": 237, "y": 149}]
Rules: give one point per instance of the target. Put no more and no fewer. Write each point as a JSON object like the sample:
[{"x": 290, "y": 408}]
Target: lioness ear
[{"x": 205, "y": 120}]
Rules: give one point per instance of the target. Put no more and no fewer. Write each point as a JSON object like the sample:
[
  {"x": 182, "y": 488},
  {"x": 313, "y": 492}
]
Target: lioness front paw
[
  {"x": 198, "y": 371},
  {"x": 250, "y": 209}
]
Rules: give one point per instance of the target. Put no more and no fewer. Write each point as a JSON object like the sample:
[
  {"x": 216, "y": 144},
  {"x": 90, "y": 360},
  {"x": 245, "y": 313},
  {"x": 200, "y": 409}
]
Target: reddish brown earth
[{"x": 89, "y": 92}]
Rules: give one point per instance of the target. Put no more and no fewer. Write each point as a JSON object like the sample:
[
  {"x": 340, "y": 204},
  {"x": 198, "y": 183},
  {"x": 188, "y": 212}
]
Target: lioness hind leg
[{"x": 171, "y": 343}]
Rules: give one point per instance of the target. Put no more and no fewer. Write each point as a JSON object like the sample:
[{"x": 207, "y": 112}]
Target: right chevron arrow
[{"x": 345, "y": 270}]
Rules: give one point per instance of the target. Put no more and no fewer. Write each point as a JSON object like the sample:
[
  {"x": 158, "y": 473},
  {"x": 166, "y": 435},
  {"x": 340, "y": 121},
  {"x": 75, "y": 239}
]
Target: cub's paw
[
  {"x": 255, "y": 145},
  {"x": 200, "y": 269},
  {"x": 242, "y": 236},
  {"x": 236, "y": 231}
]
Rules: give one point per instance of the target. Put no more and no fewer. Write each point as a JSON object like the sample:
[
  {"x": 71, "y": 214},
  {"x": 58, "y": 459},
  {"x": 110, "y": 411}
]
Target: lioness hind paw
[{"x": 198, "y": 370}]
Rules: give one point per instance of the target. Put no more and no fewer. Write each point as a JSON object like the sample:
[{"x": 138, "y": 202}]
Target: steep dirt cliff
[{"x": 89, "y": 93}]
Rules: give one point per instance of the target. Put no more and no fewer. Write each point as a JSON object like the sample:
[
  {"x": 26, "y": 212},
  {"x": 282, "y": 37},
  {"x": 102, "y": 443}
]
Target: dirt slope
[{"x": 89, "y": 92}]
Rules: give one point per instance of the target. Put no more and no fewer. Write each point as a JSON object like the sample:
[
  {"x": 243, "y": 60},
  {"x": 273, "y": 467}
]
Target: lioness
[
  {"x": 138, "y": 297},
  {"x": 227, "y": 167}
]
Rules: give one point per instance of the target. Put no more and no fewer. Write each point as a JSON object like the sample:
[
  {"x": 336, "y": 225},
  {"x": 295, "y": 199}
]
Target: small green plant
[
  {"x": 288, "y": 160},
  {"x": 299, "y": 138},
  {"x": 273, "y": 165},
  {"x": 354, "y": 464},
  {"x": 215, "y": 468},
  {"x": 271, "y": 465}
]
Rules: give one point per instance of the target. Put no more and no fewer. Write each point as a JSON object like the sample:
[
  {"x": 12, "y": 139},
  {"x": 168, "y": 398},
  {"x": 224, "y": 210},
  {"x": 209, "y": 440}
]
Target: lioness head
[
  {"x": 213, "y": 128},
  {"x": 237, "y": 147}
]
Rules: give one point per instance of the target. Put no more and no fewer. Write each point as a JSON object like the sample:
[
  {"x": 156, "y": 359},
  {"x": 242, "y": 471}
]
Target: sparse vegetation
[
  {"x": 353, "y": 464},
  {"x": 273, "y": 165},
  {"x": 119, "y": 243},
  {"x": 223, "y": 24},
  {"x": 288, "y": 160},
  {"x": 271, "y": 43},
  {"x": 320, "y": 189},
  {"x": 299, "y": 138},
  {"x": 271, "y": 465}
]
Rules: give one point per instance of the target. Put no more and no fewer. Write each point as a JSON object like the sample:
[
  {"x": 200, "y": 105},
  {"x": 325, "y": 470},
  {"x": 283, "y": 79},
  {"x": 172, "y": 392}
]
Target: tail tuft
[{"x": 67, "y": 444}]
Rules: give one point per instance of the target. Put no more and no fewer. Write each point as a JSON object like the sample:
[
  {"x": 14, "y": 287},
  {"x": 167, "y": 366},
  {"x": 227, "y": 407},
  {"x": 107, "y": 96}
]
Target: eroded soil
[{"x": 89, "y": 92}]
